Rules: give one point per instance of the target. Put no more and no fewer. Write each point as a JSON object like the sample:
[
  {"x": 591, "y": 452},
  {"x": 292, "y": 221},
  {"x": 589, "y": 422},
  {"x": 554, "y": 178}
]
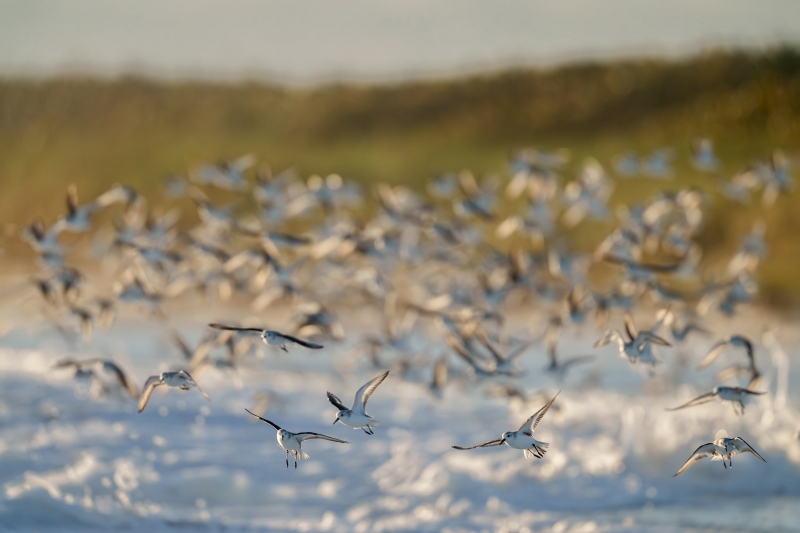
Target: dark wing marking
[
  {"x": 310, "y": 435},
  {"x": 495, "y": 442},
  {"x": 336, "y": 402},
  {"x": 301, "y": 342},
  {"x": 234, "y": 328},
  {"x": 703, "y": 398},
  {"x": 273, "y": 424}
]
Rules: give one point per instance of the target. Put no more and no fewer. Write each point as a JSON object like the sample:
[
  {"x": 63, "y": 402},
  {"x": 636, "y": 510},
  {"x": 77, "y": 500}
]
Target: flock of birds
[{"x": 439, "y": 268}]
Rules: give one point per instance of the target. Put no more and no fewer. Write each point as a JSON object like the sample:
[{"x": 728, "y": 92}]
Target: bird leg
[
  {"x": 365, "y": 430},
  {"x": 283, "y": 347},
  {"x": 287, "y": 458},
  {"x": 295, "y": 462}
]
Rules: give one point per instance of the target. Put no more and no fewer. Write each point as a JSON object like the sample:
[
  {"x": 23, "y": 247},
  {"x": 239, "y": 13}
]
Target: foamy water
[{"x": 68, "y": 462}]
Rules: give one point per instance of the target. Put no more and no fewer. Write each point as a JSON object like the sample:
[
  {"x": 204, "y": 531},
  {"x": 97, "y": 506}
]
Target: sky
[{"x": 312, "y": 41}]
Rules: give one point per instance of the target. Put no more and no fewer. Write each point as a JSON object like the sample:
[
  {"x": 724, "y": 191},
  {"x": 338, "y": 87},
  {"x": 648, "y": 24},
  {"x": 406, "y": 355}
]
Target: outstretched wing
[
  {"x": 703, "y": 398},
  {"x": 234, "y": 328},
  {"x": 530, "y": 424},
  {"x": 630, "y": 326},
  {"x": 495, "y": 442},
  {"x": 706, "y": 450},
  {"x": 336, "y": 402},
  {"x": 609, "y": 336},
  {"x": 122, "y": 378},
  {"x": 363, "y": 394},
  {"x": 301, "y": 342},
  {"x": 273, "y": 424},
  {"x": 308, "y": 435},
  {"x": 741, "y": 445},
  {"x": 714, "y": 353},
  {"x": 197, "y": 386},
  {"x": 151, "y": 383}
]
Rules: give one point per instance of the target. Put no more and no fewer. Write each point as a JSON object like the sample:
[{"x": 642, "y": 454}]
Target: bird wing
[
  {"x": 65, "y": 363},
  {"x": 706, "y": 450},
  {"x": 713, "y": 353},
  {"x": 151, "y": 383},
  {"x": 193, "y": 382},
  {"x": 530, "y": 424},
  {"x": 649, "y": 336},
  {"x": 741, "y": 446},
  {"x": 703, "y": 398},
  {"x": 363, "y": 394},
  {"x": 484, "y": 338},
  {"x": 122, "y": 378},
  {"x": 234, "y": 328},
  {"x": 336, "y": 402},
  {"x": 630, "y": 326},
  {"x": 608, "y": 336},
  {"x": 309, "y": 435},
  {"x": 301, "y": 342},
  {"x": 273, "y": 424},
  {"x": 495, "y": 442}
]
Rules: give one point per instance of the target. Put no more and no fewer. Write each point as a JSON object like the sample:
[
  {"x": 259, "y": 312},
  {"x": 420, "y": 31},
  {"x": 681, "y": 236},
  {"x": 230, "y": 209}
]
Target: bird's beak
[
  {"x": 334, "y": 422},
  {"x": 502, "y": 441}
]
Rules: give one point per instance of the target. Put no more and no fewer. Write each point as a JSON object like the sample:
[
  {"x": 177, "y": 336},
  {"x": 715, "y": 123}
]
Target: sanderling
[
  {"x": 735, "y": 395},
  {"x": 180, "y": 379},
  {"x": 720, "y": 450},
  {"x": 272, "y": 338},
  {"x": 292, "y": 442},
  {"x": 357, "y": 417},
  {"x": 92, "y": 367},
  {"x": 521, "y": 439},
  {"x": 634, "y": 347}
]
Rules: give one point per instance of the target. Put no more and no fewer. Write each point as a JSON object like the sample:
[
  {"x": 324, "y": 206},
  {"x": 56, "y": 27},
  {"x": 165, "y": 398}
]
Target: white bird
[
  {"x": 735, "y": 395},
  {"x": 356, "y": 417},
  {"x": 272, "y": 338},
  {"x": 720, "y": 450},
  {"x": 292, "y": 442},
  {"x": 180, "y": 379},
  {"x": 521, "y": 439}
]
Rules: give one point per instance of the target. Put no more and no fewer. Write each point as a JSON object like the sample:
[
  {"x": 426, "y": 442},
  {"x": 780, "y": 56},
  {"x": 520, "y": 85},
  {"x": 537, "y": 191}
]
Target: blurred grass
[{"x": 132, "y": 130}]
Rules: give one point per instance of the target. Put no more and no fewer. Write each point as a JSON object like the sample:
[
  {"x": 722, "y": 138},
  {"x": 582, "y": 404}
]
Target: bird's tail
[{"x": 373, "y": 423}]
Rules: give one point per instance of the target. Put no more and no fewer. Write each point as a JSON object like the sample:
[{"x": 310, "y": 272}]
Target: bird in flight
[
  {"x": 723, "y": 449},
  {"x": 292, "y": 442},
  {"x": 179, "y": 380},
  {"x": 272, "y": 338},
  {"x": 356, "y": 417},
  {"x": 521, "y": 439}
]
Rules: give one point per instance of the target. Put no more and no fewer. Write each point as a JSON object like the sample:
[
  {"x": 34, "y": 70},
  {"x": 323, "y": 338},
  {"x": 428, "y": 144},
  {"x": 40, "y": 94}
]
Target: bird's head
[
  {"x": 339, "y": 416},
  {"x": 507, "y": 435}
]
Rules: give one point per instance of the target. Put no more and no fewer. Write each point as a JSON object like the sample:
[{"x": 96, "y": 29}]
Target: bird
[
  {"x": 735, "y": 395},
  {"x": 180, "y": 379},
  {"x": 522, "y": 438},
  {"x": 734, "y": 341},
  {"x": 272, "y": 338},
  {"x": 356, "y": 417},
  {"x": 292, "y": 442},
  {"x": 92, "y": 368},
  {"x": 634, "y": 347},
  {"x": 723, "y": 449}
]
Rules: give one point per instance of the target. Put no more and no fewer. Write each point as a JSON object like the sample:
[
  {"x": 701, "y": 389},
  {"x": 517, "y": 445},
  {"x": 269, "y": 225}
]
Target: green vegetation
[{"x": 95, "y": 133}]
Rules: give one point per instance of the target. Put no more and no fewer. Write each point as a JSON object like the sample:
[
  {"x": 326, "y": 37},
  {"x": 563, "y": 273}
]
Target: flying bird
[
  {"x": 180, "y": 380},
  {"x": 356, "y": 417},
  {"x": 272, "y": 338},
  {"x": 723, "y": 449},
  {"x": 521, "y": 439},
  {"x": 735, "y": 395},
  {"x": 292, "y": 442}
]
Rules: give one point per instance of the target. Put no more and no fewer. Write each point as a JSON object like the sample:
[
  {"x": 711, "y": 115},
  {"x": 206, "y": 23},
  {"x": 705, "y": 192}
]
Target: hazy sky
[{"x": 304, "y": 41}]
